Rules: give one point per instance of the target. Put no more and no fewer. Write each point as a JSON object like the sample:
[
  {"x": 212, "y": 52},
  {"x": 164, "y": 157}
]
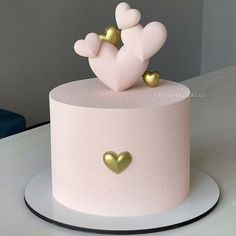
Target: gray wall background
[
  {"x": 219, "y": 34},
  {"x": 37, "y": 37}
]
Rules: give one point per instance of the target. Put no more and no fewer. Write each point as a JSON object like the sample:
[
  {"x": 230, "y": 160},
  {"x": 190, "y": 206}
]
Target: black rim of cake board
[{"x": 121, "y": 232}]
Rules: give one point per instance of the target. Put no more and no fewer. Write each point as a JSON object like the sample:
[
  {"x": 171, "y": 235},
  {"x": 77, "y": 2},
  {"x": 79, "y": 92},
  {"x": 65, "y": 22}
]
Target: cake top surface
[{"x": 91, "y": 93}]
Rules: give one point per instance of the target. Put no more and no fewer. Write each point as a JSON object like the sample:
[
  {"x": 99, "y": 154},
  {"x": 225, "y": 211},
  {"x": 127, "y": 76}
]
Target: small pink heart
[
  {"x": 144, "y": 42},
  {"x": 89, "y": 47},
  {"x": 117, "y": 69},
  {"x": 126, "y": 17}
]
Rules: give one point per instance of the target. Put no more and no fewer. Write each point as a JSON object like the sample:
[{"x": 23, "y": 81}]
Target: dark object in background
[{"x": 11, "y": 123}]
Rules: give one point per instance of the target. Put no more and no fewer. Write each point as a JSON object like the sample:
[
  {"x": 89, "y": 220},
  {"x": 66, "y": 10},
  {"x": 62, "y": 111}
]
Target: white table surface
[{"x": 213, "y": 150}]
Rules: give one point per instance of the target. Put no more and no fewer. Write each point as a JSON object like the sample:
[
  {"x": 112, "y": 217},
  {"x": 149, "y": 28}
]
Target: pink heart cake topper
[
  {"x": 144, "y": 42},
  {"x": 126, "y": 17},
  {"x": 118, "y": 69},
  {"x": 89, "y": 47}
]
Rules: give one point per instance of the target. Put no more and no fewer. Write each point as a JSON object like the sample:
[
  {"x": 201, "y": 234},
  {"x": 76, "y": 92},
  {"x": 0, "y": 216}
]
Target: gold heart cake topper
[
  {"x": 111, "y": 35},
  {"x": 151, "y": 79},
  {"x": 117, "y": 162}
]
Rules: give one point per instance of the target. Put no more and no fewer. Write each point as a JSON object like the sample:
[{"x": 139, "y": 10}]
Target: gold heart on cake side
[
  {"x": 151, "y": 79},
  {"x": 111, "y": 35},
  {"x": 117, "y": 162}
]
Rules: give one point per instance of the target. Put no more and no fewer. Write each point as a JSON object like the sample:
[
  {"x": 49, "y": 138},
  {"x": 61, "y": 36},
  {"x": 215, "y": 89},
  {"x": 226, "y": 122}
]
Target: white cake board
[{"x": 203, "y": 198}]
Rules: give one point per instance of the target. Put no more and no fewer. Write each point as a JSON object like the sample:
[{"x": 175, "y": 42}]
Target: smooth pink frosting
[{"x": 88, "y": 119}]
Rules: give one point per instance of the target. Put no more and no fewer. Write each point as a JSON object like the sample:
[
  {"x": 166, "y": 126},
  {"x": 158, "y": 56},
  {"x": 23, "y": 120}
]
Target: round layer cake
[{"x": 89, "y": 121}]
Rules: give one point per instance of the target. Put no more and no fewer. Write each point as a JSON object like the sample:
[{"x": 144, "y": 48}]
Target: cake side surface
[{"x": 88, "y": 120}]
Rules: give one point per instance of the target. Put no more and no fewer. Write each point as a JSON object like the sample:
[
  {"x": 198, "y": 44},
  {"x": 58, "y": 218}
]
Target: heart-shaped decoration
[
  {"x": 117, "y": 69},
  {"x": 144, "y": 42},
  {"x": 151, "y": 79},
  {"x": 117, "y": 162},
  {"x": 126, "y": 17},
  {"x": 89, "y": 47},
  {"x": 112, "y": 35}
]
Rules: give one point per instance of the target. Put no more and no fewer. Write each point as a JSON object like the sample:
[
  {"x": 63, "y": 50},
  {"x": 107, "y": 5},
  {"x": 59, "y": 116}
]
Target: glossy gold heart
[
  {"x": 111, "y": 35},
  {"x": 117, "y": 162},
  {"x": 151, "y": 79}
]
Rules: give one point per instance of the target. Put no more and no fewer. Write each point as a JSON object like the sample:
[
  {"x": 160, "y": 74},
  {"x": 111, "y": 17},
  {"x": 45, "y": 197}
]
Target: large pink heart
[
  {"x": 144, "y": 42},
  {"x": 117, "y": 69}
]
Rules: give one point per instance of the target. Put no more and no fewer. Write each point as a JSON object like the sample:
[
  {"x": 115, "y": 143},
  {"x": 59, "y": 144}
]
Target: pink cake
[{"x": 120, "y": 146}]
